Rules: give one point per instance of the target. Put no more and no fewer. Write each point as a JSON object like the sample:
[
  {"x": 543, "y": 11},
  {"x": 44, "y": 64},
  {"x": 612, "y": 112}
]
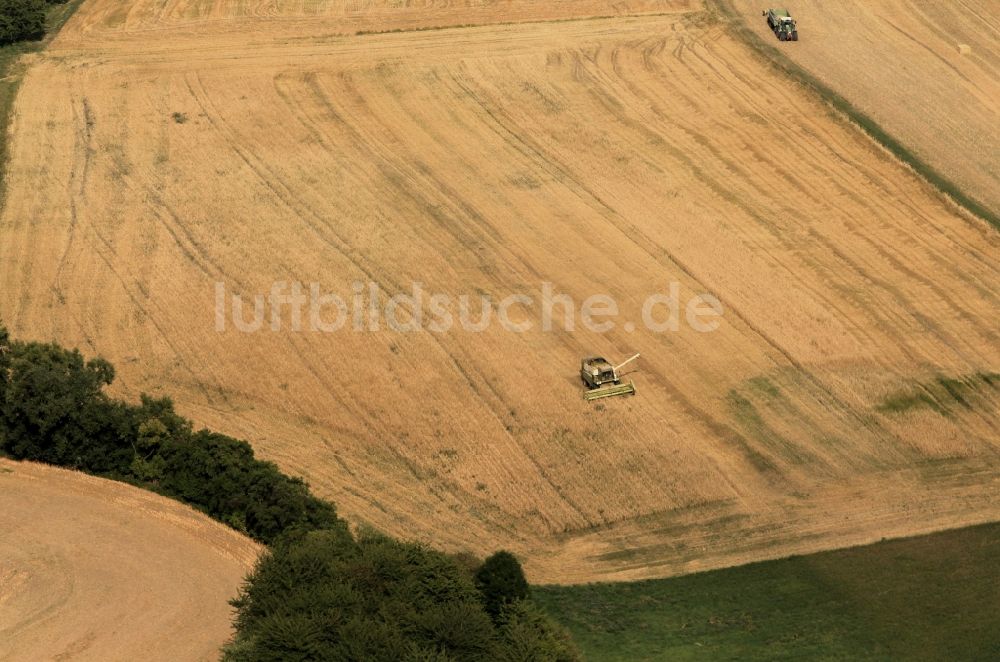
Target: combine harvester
[
  {"x": 603, "y": 379},
  {"x": 782, "y": 24}
]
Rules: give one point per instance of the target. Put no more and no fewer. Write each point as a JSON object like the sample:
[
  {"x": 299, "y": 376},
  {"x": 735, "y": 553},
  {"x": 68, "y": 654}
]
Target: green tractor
[{"x": 782, "y": 24}]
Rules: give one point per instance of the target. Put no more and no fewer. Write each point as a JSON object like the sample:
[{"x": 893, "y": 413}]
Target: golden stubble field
[
  {"x": 899, "y": 62},
  {"x": 156, "y": 153},
  {"x": 92, "y": 569}
]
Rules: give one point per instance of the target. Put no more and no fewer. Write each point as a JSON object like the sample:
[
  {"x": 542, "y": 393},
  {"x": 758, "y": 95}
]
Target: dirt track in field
[
  {"x": 92, "y": 569},
  {"x": 899, "y": 62},
  {"x": 155, "y": 156}
]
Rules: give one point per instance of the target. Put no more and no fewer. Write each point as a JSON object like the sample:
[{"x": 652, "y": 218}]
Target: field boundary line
[{"x": 536, "y": 21}]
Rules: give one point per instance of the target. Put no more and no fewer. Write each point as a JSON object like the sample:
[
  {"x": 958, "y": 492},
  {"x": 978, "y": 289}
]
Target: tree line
[
  {"x": 320, "y": 592},
  {"x": 23, "y": 20}
]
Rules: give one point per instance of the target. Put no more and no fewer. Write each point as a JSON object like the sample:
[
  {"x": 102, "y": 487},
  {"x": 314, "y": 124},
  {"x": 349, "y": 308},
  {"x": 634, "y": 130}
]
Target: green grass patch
[
  {"x": 764, "y": 386},
  {"x": 783, "y": 64},
  {"x": 942, "y": 394},
  {"x": 903, "y": 402},
  {"x": 933, "y": 597}
]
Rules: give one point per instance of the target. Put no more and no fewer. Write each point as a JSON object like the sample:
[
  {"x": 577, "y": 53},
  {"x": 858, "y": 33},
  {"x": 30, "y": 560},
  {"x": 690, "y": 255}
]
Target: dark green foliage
[
  {"x": 944, "y": 395},
  {"x": 501, "y": 581},
  {"x": 220, "y": 475},
  {"x": 528, "y": 634},
  {"x": 53, "y": 409},
  {"x": 324, "y": 596},
  {"x": 4, "y": 363},
  {"x": 21, "y": 20}
]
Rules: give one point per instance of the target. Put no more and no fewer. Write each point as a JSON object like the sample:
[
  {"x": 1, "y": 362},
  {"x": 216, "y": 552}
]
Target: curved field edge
[
  {"x": 921, "y": 598},
  {"x": 12, "y": 70},
  {"x": 873, "y": 129},
  {"x": 53, "y": 410},
  {"x": 95, "y": 569}
]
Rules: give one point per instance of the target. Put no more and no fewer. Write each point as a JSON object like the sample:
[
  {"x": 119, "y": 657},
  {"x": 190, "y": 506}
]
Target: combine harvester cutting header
[{"x": 782, "y": 24}]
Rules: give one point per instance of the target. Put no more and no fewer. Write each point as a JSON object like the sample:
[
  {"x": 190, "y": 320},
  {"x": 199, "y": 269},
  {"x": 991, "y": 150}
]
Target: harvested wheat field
[
  {"x": 849, "y": 392},
  {"x": 91, "y": 569},
  {"x": 928, "y": 72}
]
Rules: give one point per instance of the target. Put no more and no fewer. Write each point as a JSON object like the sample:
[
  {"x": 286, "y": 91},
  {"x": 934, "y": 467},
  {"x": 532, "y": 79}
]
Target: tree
[
  {"x": 21, "y": 20},
  {"x": 4, "y": 364},
  {"x": 220, "y": 475},
  {"x": 501, "y": 581},
  {"x": 323, "y": 595},
  {"x": 529, "y": 634},
  {"x": 54, "y": 410}
]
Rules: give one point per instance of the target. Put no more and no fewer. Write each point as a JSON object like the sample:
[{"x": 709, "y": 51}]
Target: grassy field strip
[{"x": 932, "y": 597}]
